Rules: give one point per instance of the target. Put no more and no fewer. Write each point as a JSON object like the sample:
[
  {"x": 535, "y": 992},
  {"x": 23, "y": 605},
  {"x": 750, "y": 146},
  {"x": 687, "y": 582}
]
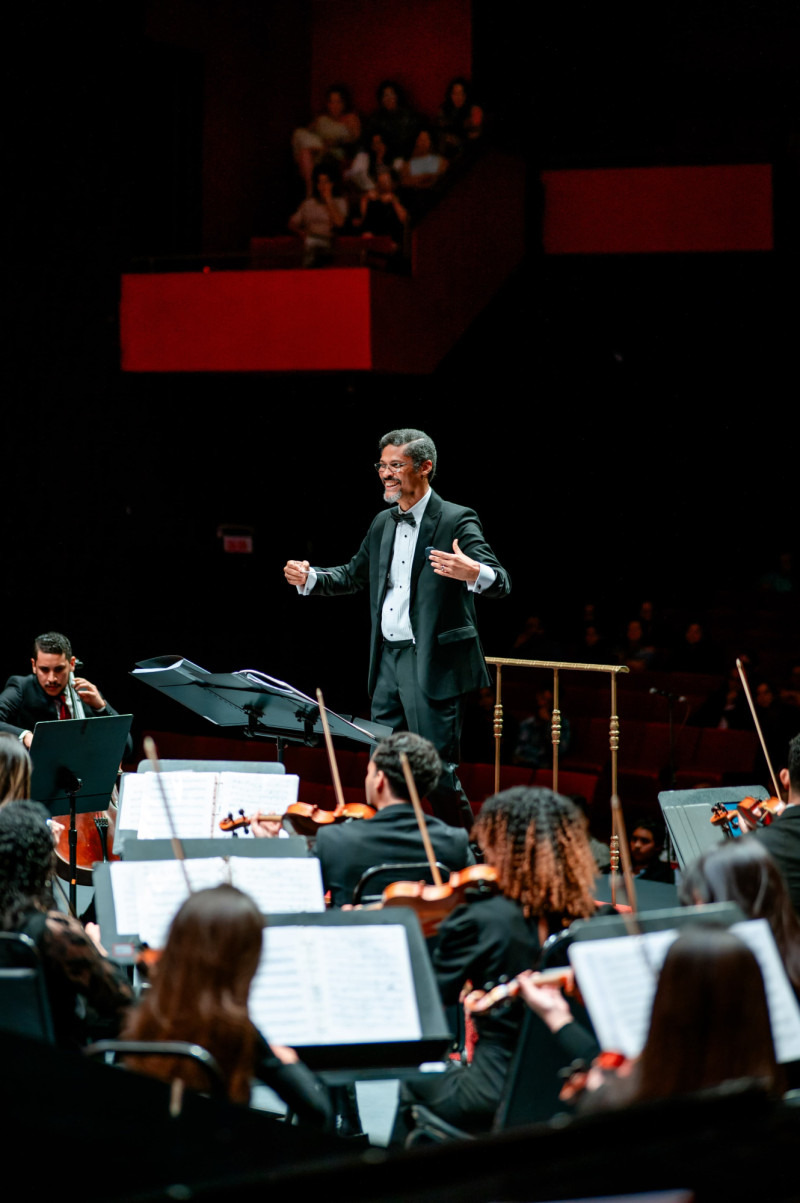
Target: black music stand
[
  {"x": 687, "y": 815},
  {"x": 78, "y": 756},
  {"x": 261, "y": 706}
]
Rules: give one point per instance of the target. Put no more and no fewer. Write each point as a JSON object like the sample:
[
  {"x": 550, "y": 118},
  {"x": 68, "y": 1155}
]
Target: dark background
[{"x": 625, "y": 426}]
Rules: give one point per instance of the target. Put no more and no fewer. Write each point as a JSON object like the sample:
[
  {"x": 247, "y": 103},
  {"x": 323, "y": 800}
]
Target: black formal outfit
[
  {"x": 298, "y": 1086},
  {"x": 782, "y": 840},
  {"x": 392, "y": 836},
  {"x": 481, "y": 941},
  {"x": 74, "y": 966},
  {"x": 23, "y": 704},
  {"x": 421, "y": 686}
]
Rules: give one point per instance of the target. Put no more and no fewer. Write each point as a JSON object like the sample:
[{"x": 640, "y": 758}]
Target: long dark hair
[
  {"x": 709, "y": 981},
  {"x": 536, "y": 841},
  {"x": 26, "y": 862},
  {"x": 743, "y": 871},
  {"x": 15, "y": 769},
  {"x": 201, "y": 989}
]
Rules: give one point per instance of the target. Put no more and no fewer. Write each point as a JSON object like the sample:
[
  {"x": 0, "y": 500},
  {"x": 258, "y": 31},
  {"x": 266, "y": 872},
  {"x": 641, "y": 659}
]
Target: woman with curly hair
[
  {"x": 536, "y": 842},
  {"x": 200, "y": 993},
  {"x": 73, "y": 958},
  {"x": 15, "y": 769}
]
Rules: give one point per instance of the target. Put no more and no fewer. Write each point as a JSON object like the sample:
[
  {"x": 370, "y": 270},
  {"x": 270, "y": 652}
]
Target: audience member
[
  {"x": 696, "y": 653},
  {"x": 200, "y": 992},
  {"x": 393, "y": 119},
  {"x": 382, "y": 215},
  {"x": 534, "y": 745},
  {"x": 328, "y": 135},
  {"x": 363, "y": 171},
  {"x": 646, "y": 847},
  {"x": 318, "y": 218},
  {"x": 460, "y": 119},
  {"x": 423, "y": 168}
]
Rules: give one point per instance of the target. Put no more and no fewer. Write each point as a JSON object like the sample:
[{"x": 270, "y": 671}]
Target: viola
[{"x": 433, "y": 903}]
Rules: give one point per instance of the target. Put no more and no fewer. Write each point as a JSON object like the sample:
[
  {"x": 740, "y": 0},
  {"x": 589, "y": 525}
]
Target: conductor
[{"x": 424, "y": 561}]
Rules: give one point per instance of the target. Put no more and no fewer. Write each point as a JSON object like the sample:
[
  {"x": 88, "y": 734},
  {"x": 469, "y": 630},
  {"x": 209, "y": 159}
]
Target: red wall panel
[
  {"x": 646, "y": 209},
  {"x": 250, "y": 321}
]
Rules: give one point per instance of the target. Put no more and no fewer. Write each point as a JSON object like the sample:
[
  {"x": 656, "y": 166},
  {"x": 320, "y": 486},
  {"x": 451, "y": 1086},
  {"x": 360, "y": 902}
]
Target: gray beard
[{"x": 393, "y": 500}]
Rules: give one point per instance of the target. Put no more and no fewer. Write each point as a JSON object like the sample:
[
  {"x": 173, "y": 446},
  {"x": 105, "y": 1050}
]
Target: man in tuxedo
[
  {"x": 392, "y": 836},
  {"x": 423, "y": 562},
  {"x": 43, "y": 696},
  {"x": 782, "y": 837}
]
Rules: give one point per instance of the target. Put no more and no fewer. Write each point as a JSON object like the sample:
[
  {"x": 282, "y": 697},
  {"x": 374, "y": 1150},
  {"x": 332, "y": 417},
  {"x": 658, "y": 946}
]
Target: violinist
[
  {"x": 536, "y": 842},
  {"x": 200, "y": 994},
  {"x": 782, "y": 837},
  {"x": 708, "y": 982},
  {"x": 392, "y": 836}
]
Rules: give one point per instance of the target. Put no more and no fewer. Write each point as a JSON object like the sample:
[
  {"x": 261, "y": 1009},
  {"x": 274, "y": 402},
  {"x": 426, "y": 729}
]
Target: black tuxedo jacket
[
  {"x": 782, "y": 840},
  {"x": 347, "y": 850},
  {"x": 449, "y": 654},
  {"x": 23, "y": 704}
]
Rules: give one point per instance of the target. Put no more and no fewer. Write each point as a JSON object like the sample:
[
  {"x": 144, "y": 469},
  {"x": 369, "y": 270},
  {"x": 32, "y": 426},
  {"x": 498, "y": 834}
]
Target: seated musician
[
  {"x": 200, "y": 992},
  {"x": 742, "y": 871},
  {"x": 74, "y": 960},
  {"x": 782, "y": 837},
  {"x": 15, "y": 769},
  {"x": 44, "y": 696},
  {"x": 536, "y": 842},
  {"x": 392, "y": 836},
  {"x": 708, "y": 981}
]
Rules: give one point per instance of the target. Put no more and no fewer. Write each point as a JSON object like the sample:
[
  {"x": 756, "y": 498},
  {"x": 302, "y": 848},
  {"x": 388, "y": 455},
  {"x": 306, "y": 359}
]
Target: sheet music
[
  {"x": 618, "y": 978},
  {"x": 147, "y": 894},
  {"x": 131, "y": 792},
  {"x": 281, "y": 884},
  {"x": 335, "y": 985},
  {"x": 199, "y": 800}
]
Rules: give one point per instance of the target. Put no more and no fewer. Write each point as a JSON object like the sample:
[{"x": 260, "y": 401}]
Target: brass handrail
[{"x": 501, "y": 662}]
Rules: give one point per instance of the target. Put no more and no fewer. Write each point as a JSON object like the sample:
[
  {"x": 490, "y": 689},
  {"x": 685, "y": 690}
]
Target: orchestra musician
[
  {"x": 45, "y": 696},
  {"x": 392, "y": 836},
  {"x": 709, "y": 982},
  {"x": 200, "y": 991},
  {"x": 73, "y": 958},
  {"x": 536, "y": 842},
  {"x": 15, "y": 769},
  {"x": 423, "y": 562},
  {"x": 782, "y": 837}
]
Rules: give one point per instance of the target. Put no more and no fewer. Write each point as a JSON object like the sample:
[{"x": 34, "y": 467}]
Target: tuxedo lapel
[
  {"x": 427, "y": 538},
  {"x": 385, "y": 556}
]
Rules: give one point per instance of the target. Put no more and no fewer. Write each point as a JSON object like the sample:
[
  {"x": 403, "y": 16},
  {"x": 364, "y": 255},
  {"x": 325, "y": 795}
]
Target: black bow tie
[{"x": 401, "y": 516}]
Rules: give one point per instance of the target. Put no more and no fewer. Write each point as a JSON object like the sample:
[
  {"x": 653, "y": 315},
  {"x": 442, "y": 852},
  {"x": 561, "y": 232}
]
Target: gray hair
[{"x": 415, "y": 443}]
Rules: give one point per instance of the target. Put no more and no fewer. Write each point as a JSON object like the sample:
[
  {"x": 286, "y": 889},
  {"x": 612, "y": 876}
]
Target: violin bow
[
  {"x": 337, "y": 784},
  {"x": 775, "y": 785},
  {"x": 151, "y": 752},
  {"x": 423, "y": 826}
]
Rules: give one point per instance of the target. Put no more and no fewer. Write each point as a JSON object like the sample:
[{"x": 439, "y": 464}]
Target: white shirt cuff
[
  {"x": 486, "y": 577},
  {"x": 311, "y": 581}
]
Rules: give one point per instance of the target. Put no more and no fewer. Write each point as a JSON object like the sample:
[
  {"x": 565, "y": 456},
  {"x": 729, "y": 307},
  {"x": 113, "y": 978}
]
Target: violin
[
  {"x": 737, "y": 818},
  {"x": 479, "y": 1002},
  {"x": 305, "y": 817},
  {"x": 433, "y": 903}
]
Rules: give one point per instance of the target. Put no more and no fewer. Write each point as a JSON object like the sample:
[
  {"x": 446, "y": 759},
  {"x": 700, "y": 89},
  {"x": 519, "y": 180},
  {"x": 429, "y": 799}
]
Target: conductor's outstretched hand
[
  {"x": 455, "y": 565},
  {"x": 296, "y": 572}
]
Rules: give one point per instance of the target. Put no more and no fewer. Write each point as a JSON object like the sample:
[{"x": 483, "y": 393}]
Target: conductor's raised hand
[
  {"x": 455, "y": 565},
  {"x": 296, "y": 572}
]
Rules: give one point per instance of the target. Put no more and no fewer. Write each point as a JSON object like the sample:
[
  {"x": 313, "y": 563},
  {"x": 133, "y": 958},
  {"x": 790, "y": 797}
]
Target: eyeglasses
[{"x": 395, "y": 467}]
